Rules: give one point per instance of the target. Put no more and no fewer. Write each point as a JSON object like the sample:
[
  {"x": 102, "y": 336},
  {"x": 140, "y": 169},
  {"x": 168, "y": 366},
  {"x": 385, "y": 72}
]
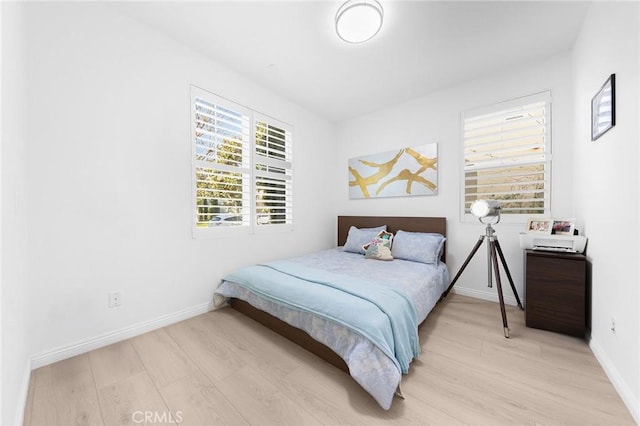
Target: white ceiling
[{"x": 291, "y": 47}]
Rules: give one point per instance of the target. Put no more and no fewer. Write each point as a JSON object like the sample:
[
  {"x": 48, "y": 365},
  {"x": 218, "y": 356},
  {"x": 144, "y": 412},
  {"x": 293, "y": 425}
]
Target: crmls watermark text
[{"x": 139, "y": 417}]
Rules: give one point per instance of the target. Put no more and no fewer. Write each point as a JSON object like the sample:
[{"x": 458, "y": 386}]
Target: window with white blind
[
  {"x": 242, "y": 167},
  {"x": 507, "y": 156}
]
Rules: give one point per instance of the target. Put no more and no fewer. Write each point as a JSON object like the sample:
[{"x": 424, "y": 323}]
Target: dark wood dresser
[{"x": 556, "y": 291}]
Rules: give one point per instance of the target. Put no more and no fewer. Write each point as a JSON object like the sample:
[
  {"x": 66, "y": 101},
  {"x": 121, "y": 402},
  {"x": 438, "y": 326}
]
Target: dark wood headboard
[{"x": 394, "y": 224}]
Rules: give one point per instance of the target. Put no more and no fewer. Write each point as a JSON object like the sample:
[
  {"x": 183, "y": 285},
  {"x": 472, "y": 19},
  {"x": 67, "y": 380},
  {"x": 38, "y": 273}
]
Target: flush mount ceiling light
[{"x": 359, "y": 20}]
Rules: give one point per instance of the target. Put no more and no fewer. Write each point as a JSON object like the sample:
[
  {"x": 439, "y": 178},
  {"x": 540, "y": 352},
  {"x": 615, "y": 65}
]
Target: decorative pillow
[
  {"x": 418, "y": 246},
  {"x": 358, "y": 237},
  {"x": 380, "y": 247}
]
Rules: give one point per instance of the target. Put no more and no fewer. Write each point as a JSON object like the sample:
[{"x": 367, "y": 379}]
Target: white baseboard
[
  {"x": 491, "y": 296},
  {"x": 630, "y": 400},
  {"x": 116, "y": 336},
  {"x": 24, "y": 393}
]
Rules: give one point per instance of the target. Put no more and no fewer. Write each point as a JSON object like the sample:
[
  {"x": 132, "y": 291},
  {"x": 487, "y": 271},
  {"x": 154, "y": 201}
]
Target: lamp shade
[
  {"x": 485, "y": 208},
  {"x": 359, "y": 20}
]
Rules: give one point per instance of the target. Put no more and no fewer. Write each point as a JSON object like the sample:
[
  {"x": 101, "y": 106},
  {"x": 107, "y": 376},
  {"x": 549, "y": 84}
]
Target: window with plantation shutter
[
  {"x": 242, "y": 167},
  {"x": 273, "y": 172},
  {"x": 507, "y": 156}
]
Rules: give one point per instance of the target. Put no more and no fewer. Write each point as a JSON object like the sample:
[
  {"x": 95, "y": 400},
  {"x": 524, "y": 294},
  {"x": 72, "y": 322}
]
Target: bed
[{"x": 383, "y": 299}]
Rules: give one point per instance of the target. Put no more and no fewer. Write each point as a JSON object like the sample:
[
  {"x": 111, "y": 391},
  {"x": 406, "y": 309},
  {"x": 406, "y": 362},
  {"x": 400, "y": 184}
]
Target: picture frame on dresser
[
  {"x": 563, "y": 226},
  {"x": 539, "y": 226}
]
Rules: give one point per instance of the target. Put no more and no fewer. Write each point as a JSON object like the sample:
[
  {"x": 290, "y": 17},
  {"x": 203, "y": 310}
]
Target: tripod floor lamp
[{"x": 488, "y": 213}]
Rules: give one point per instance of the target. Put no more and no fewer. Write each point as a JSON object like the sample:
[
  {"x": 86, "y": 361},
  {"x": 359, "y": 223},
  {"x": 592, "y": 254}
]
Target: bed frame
[{"x": 394, "y": 223}]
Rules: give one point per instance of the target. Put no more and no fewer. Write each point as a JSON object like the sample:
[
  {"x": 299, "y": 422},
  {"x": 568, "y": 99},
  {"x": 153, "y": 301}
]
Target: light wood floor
[{"x": 223, "y": 368}]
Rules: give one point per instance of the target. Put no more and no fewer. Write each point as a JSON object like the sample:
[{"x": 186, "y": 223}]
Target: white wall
[
  {"x": 436, "y": 118},
  {"x": 109, "y": 178},
  {"x": 606, "y": 184},
  {"x": 1, "y": 216},
  {"x": 15, "y": 362}
]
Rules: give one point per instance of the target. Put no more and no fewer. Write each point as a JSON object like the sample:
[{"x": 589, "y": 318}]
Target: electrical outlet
[
  {"x": 114, "y": 299},
  {"x": 613, "y": 325}
]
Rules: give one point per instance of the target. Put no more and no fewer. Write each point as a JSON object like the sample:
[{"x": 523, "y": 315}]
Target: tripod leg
[
  {"x": 506, "y": 269},
  {"x": 464, "y": 265},
  {"x": 494, "y": 259}
]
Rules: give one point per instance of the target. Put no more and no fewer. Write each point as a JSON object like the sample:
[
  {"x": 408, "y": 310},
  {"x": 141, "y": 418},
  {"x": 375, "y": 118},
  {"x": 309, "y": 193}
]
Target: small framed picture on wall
[{"x": 603, "y": 108}]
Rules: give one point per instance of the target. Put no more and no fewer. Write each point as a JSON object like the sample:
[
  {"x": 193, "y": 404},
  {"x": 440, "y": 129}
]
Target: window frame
[
  {"x": 515, "y": 218},
  {"x": 254, "y": 117}
]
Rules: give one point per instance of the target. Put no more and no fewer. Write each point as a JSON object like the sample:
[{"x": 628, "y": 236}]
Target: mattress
[{"x": 368, "y": 364}]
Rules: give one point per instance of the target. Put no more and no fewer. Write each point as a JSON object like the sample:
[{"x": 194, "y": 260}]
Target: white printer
[{"x": 552, "y": 242}]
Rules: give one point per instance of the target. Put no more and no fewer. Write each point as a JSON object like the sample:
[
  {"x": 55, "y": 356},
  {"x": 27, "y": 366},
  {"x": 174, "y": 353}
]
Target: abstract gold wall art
[{"x": 398, "y": 173}]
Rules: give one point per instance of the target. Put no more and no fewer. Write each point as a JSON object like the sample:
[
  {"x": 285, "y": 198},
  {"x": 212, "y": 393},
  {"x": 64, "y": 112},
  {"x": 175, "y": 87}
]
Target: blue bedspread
[{"x": 384, "y": 315}]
